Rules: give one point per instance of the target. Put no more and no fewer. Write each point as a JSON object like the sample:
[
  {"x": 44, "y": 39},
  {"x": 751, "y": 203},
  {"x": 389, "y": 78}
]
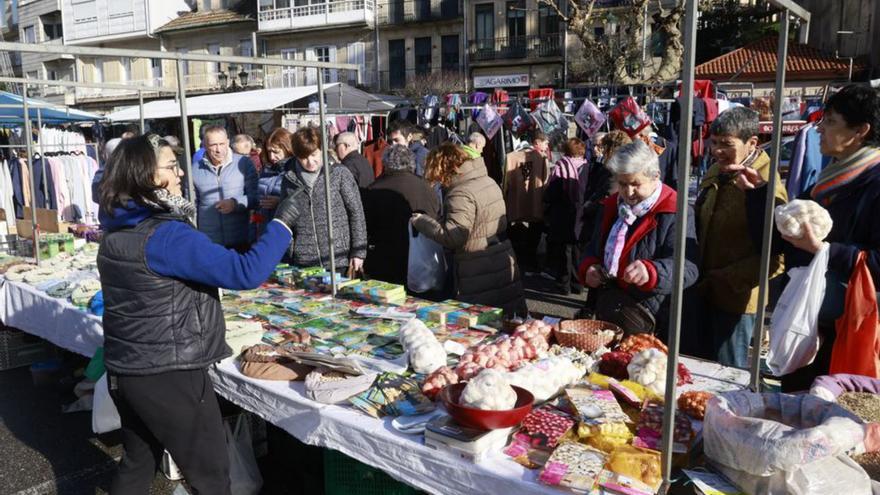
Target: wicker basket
[{"x": 586, "y": 334}]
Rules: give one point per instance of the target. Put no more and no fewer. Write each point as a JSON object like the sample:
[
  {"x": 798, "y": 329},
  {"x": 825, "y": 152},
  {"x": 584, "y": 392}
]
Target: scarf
[
  {"x": 626, "y": 216},
  {"x": 840, "y": 173},
  {"x": 574, "y": 182},
  {"x": 178, "y": 205}
]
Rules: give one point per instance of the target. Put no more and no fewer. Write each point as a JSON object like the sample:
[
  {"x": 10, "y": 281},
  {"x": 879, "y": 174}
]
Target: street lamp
[
  {"x": 243, "y": 77},
  {"x": 222, "y": 78}
]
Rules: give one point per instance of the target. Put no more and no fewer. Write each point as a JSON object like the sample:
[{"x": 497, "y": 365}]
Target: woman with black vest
[{"x": 163, "y": 325}]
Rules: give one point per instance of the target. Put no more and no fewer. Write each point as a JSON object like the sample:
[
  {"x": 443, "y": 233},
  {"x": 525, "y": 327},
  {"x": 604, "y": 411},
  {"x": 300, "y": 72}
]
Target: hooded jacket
[
  {"x": 475, "y": 227},
  {"x": 159, "y": 277}
]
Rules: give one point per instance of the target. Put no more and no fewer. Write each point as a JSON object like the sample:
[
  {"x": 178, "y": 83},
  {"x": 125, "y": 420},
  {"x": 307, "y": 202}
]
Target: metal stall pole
[
  {"x": 42, "y": 156},
  {"x": 325, "y": 159},
  {"x": 29, "y": 139},
  {"x": 141, "y": 109},
  {"x": 764, "y": 273},
  {"x": 684, "y": 165},
  {"x": 184, "y": 134}
]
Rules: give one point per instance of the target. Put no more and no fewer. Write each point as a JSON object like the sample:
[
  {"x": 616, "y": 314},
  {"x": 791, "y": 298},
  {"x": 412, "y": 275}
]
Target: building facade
[
  {"x": 846, "y": 29},
  {"x": 10, "y": 63},
  {"x": 40, "y": 22}
]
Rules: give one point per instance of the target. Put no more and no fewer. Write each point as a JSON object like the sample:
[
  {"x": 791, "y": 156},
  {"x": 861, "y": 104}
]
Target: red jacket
[{"x": 665, "y": 204}]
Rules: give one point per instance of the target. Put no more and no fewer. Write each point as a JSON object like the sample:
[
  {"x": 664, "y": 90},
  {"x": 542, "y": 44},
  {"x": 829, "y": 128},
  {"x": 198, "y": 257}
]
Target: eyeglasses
[{"x": 174, "y": 168}]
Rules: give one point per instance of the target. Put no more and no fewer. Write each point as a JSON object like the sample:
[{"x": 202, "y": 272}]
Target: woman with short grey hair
[
  {"x": 629, "y": 262},
  {"x": 389, "y": 202}
]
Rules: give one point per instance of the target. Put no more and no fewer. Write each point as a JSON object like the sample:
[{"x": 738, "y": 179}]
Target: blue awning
[{"x": 51, "y": 114}]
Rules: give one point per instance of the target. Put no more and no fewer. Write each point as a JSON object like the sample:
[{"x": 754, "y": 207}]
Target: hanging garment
[
  {"x": 477, "y": 98},
  {"x": 437, "y": 135},
  {"x": 373, "y": 153},
  {"x": 517, "y": 119},
  {"x": 539, "y": 96},
  {"x": 431, "y": 106},
  {"x": 589, "y": 118},
  {"x": 549, "y": 118},
  {"x": 525, "y": 181},
  {"x": 629, "y": 117},
  {"x": 489, "y": 121}
]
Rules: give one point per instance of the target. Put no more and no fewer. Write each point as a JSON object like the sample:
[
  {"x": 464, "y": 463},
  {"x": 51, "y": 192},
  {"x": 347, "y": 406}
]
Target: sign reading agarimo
[{"x": 501, "y": 81}]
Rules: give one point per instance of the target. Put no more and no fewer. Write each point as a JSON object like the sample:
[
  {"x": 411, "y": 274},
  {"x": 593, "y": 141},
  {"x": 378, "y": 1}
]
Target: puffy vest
[{"x": 154, "y": 324}]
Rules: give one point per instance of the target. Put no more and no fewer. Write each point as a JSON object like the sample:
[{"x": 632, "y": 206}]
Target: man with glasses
[
  {"x": 226, "y": 191},
  {"x": 350, "y": 157}
]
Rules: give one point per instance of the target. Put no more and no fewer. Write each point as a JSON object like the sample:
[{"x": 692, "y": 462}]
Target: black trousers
[
  {"x": 175, "y": 411},
  {"x": 525, "y": 238},
  {"x": 564, "y": 257}
]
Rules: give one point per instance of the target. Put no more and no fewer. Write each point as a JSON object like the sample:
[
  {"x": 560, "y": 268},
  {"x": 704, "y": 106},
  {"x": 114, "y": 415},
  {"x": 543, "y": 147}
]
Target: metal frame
[
  {"x": 180, "y": 58},
  {"x": 789, "y": 8}
]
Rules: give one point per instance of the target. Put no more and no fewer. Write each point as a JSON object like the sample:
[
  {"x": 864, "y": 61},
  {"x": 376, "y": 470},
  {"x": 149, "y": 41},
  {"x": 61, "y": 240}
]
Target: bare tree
[
  {"x": 433, "y": 83},
  {"x": 618, "y": 57}
]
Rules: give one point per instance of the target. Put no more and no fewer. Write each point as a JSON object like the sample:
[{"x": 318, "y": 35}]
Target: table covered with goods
[{"x": 450, "y": 398}]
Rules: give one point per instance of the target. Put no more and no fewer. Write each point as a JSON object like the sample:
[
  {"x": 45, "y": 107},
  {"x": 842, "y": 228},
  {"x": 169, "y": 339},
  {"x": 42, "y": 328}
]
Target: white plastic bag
[
  {"x": 426, "y": 268},
  {"x": 794, "y": 327},
  {"x": 105, "y": 417},
  {"x": 244, "y": 474},
  {"x": 784, "y": 444}
]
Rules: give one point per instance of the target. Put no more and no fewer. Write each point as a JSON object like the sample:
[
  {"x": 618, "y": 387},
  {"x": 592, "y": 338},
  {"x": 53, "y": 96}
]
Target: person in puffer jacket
[{"x": 163, "y": 324}]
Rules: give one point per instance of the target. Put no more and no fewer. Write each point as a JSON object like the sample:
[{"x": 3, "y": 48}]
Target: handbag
[
  {"x": 613, "y": 304},
  {"x": 426, "y": 266}
]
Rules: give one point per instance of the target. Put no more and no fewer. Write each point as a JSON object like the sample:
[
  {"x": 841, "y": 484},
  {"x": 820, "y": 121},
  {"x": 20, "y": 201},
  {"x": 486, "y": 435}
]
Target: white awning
[{"x": 259, "y": 100}]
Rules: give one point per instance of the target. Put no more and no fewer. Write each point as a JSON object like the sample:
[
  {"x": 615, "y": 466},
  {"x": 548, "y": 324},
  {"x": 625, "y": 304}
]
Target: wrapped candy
[{"x": 489, "y": 390}]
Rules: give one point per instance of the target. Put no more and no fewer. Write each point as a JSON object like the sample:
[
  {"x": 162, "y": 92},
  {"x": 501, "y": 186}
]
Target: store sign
[
  {"x": 501, "y": 81},
  {"x": 789, "y": 127}
]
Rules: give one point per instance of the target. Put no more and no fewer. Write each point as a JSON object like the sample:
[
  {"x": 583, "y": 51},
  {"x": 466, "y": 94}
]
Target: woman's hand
[
  {"x": 414, "y": 218},
  {"x": 807, "y": 242},
  {"x": 355, "y": 267},
  {"x": 593, "y": 277},
  {"x": 746, "y": 177},
  {"x": 269, "y": 202},
  {"x": 636, "y": 273}
]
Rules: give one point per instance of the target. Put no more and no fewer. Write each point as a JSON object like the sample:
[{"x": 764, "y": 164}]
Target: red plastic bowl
[{"x": 484, "y": 419}]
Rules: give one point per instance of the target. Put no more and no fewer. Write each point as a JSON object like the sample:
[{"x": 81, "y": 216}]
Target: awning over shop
[
  {"x": 338, "y": 95},
  {"x": 50, "y": 114}
]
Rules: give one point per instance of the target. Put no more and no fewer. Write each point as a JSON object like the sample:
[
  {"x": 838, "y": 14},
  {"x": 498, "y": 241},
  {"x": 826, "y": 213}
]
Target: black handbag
[{"x": 610, "y": 303}]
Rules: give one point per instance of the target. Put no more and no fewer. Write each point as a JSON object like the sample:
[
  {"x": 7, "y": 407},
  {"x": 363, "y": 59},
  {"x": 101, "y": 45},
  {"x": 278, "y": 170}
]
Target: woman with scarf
[
  {"x": 629, "y": 262},
  {"x": 563, "y": 213},
  {"x": 721, "y": 308},
  {"x": 849, "y": 188},
  {"x": 163, "y": 324}
]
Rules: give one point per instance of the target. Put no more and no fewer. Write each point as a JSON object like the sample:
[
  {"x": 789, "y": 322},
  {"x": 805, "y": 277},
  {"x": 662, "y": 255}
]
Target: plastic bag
[
  {"x": 589, "y": 118},
  {"x": 856, "y": 346},
  {"x": 794, "y": 327},
  {"x": 105, "y": 416},
  {"x": 244, "y": 474},
  {"x": 426, "y": 267},
  {"x": 779, "y": 443},
  {"x": 629, "y": 117}
]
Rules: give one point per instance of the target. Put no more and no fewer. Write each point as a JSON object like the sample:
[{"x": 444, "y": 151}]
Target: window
[
  {"x": 156, "y": 69},
  {"x": 99, "y": 71},
  {"x": 449, "y": 9},
  {"x": 52, "y": 74},
  {"x": 422, "y": 9},
  {"x": 449, "y": 58},
  {"x": 185, "y": 62},
  {"x": 29, "y": 34},
  {"x": 396, "y": 10},
  {"x": 322, "y": 54},
  {"x": 124, "y": 69},
  {"x": 288, "y": 74},
  {"x": 516, "y": 22},
  {"x": 120, "y": 8},
  {"x": 51, "y": 26},
  {"x": 33, "y": 74},
  {"x": 548, "y": 20},
  {"x": 264, "y": 48},
  {"x": 213, "y": 67},
  {"x": 484, "y": 26},
  {"x": 246, "y": 49},
  {"x": 266, "y": 5},
  {"x": 357, "y": 54},
  {"x": 396, "y": 63},
  {"x": 423, "y": 55}
]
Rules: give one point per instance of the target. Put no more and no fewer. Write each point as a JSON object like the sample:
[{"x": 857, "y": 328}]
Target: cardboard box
[{"x": 46, "y": 219}]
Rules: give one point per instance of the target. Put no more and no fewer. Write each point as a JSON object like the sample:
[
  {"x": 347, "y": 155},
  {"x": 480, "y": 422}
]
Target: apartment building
[
  {"x": 10, "y": 63},
  {"x": 341, "y": 31},
  {"x": 218, "y": 27},
  {"x": 128, "y": 24},
  {"x": 40, "y": 22},
  {"x": 514, "y": 43}
]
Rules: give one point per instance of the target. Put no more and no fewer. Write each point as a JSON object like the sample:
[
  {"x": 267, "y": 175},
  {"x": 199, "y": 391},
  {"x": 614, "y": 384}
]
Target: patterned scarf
[
  {"x": 840, "y": 173},
  {"x": 177, "y": 205},
  {"x": 626, "y": 216},
  {"x": 569, "y": 170}
]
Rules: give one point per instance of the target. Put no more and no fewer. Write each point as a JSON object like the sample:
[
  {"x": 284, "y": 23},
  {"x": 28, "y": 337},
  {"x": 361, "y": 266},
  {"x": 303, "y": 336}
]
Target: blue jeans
[{"x": 731, "y": 336}]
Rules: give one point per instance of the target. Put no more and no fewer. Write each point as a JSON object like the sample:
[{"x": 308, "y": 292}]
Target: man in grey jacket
[{"x": 226, "y": 191}]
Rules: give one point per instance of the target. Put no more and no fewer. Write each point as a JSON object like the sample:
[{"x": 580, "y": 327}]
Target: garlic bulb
[
  {"x": 648, "y": 368},
  {"x": 489, "y": 390},
  {"x": 790, "y": 218},
  {"x": 426, "y": 354}
]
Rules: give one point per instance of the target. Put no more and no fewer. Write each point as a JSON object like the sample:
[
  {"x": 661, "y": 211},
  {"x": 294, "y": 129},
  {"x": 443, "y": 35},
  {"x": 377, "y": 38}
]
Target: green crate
[{"x": 346, "y": 476}]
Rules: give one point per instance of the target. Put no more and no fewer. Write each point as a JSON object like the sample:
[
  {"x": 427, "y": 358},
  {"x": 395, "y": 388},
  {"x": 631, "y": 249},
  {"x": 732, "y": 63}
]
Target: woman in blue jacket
[{"x": 163, "y": 324}]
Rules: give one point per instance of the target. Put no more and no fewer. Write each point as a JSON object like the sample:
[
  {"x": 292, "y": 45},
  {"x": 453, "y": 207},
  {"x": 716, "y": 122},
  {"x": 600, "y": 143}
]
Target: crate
[
  {"x": 346, "y": 476},
  {"x": 19, "y": 349}
]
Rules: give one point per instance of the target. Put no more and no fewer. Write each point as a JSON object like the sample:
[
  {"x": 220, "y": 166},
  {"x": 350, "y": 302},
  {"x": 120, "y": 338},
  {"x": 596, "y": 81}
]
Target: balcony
[
  {"x": 195, "y": 83},
  {"x": 393, "y": 12},
  {"x": 318, "y": 15},
  {"x": 519, "y": 47}
]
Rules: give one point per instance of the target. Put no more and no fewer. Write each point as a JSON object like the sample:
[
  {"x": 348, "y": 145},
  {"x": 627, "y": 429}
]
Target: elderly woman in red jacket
[{"x": 629, "y": 262}]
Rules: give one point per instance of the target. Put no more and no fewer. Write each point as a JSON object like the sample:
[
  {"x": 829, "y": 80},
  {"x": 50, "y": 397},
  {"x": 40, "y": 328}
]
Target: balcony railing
[
  {"x": 327, "y": 14},
  {"x": 530, "y": 47},
  {"x": 405, "y": 11}
]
